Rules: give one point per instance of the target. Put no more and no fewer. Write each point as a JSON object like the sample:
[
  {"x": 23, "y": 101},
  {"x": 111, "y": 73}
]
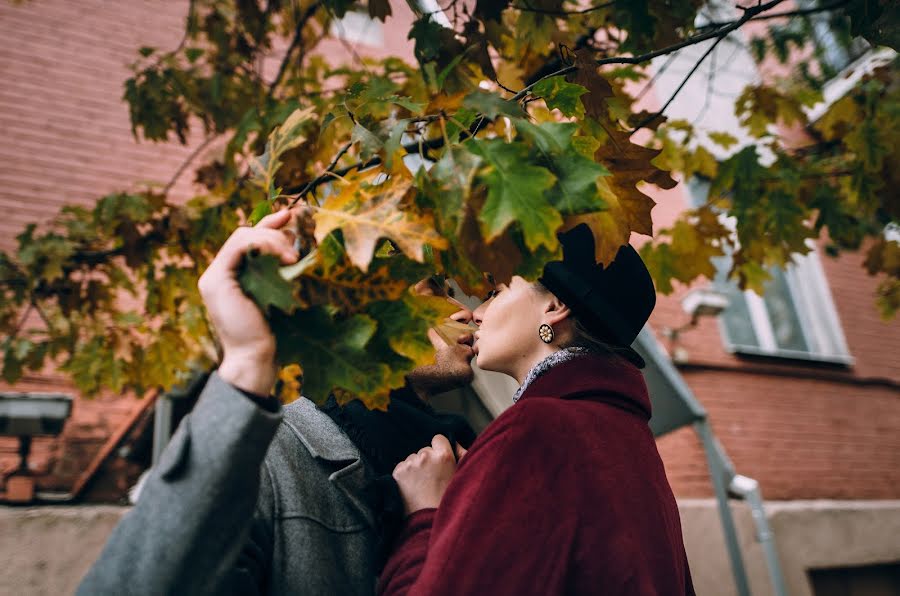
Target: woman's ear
[{"x": 556, "y": 311}]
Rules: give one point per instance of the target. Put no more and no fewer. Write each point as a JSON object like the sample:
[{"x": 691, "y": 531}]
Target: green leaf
[
  {"x": 193, "y": 54},
  {"x": 146, "y": 51},
  {"x": 331, "y": 352},
  {"x": 576, "y": 187},
  {"x": 369, "y": 143},
  {"x": 260, "y": 278},
  {"x": 516, "y": 194},
  {"x": 492, "y": 105},
  {"x": 427, "y": 34},
  {"x": 723, "y": 139},
  {"x": 451, "y": 182},
  {"x": 561, "y": 95},
  {"x": 262, "y": 209}
]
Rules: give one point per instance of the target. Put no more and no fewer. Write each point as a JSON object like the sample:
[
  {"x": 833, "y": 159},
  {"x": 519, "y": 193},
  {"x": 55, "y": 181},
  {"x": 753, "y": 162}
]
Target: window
[
  {"x": 358, "y": 27},
  {"x": 833, "y": 44},
  {"x": 794, "y": 318}
]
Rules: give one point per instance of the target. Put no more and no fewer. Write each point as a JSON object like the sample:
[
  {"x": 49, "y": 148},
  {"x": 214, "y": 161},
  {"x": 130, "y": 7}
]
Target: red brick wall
[
  {"x": 66, "y": 138},
  {"x": 804, "y": 430}
]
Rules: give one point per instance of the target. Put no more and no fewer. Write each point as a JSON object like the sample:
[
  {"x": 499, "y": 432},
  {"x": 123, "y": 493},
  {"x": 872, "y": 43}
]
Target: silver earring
[{"x": 546, "y": 333}]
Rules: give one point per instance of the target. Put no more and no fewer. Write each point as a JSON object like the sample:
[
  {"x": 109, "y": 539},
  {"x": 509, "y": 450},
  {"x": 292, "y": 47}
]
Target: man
[{"x": 315, "y": 517}]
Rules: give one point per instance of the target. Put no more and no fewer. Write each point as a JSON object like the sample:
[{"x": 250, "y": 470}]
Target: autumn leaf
[
  {"x": 261, "y": 279},
  {"x": 449, "y": 184},
  {"x": 492, "y": 105},
  {"x": 406, "y": 323},
  {"x": 723, "y": 139},
  {"x": 599, "y": 90},
  {"x": 516, "y": 193},
  {"x": 281, "y": 139},
  {"x": 561, "y": 95},
  {"x": 379, "y": 9},
  {"x": 331, "y": 351},
  {"x": 366, "y": 212},
  {"x": 576, "y": 187}
]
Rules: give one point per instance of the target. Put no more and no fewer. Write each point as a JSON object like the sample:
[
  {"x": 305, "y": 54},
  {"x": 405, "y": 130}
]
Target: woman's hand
[
  {"x": 423, "y": 477},
  {"x": 248, "y": 345}
]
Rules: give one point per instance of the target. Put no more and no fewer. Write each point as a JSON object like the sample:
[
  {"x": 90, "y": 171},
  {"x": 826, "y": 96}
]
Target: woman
[{"x": 565, "y": 492}]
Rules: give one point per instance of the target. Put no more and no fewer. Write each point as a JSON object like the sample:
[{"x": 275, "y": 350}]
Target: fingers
[
  {"x": 460, "y": 452},
  {"x": 275, "y": 220},
  {"x": 441, "y": 446},
  {"x": 273, "y": 242},
  {"x": 436, "y": 340}
]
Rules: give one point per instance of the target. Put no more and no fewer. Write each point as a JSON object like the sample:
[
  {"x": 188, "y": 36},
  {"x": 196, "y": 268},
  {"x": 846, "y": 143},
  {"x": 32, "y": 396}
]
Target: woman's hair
[{"x": 583, "y": 337}]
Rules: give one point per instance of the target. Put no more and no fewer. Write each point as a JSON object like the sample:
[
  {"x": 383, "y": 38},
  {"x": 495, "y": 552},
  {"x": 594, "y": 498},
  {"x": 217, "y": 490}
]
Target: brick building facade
[{"x": 806, "y": 429}]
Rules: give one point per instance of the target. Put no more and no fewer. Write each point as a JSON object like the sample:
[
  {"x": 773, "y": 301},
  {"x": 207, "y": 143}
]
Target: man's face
[{"x": 452, "y": 366}]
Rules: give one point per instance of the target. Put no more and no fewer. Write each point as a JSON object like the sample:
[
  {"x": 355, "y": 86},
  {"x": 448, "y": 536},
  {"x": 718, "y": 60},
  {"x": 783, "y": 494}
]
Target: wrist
[{"x": 249, "y": 374}]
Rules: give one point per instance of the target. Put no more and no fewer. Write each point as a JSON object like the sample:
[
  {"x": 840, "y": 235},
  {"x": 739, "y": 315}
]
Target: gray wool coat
[{"x": 246, "y": 501}]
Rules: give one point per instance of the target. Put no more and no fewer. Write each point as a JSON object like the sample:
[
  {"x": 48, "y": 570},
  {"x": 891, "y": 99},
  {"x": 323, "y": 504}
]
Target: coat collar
[
  {"x": 597, "y": 378},
  {"x": 319, "y": 434}
]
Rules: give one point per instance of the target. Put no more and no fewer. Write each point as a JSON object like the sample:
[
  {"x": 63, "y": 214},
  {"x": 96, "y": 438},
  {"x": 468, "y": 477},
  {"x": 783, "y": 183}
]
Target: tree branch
[
  {"x": 438, "y": 142},
  {"x": 684, "y": 81},
  {"x": 563, "y": 13},
  {"x": 295, "y": 42},
  {"x": 777, "y": 15},
  {"x": 321, "y": 177},
  {"x": 190, "y": 158}
]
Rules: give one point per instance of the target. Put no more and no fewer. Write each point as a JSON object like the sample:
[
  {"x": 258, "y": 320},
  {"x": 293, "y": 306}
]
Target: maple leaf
[
  {"x": 406, "y": 323},
  {"x": 516, "y": 193},
  {"x": 576, "y": 187},
  {"x": 379, "y": 9},
  {"x": 366, "y": 212},
  {"x": 696, "y": 238},
  {"x": 261, "y": 279},
  {"x": 561, "y": 95},
  {"x": 587, "y": 75},
  {"x": 343, "y": 286},
  {"x": 492, "y": 105},
  {"x": 331, "y": 352},
  {"x": 449, "y": 183},
  {"x": 281, "y": 140}
]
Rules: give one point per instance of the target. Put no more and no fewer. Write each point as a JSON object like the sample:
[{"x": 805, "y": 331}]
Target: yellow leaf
[{"x": 366, "y": 212}]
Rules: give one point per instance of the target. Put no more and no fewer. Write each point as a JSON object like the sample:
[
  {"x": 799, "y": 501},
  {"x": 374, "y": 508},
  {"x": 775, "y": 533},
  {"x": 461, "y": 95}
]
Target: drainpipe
[
  {"x": 748, "y": 489},
  {"x": 720, "y": 469}
]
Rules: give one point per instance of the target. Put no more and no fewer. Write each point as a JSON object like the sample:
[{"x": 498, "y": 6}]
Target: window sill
[
  {"x": 844, "y": 360},
  {"x": 838, "y": 87}
]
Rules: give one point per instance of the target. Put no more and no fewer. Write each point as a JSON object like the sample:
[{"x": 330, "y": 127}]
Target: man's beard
[{"x": 440, "y": 377}]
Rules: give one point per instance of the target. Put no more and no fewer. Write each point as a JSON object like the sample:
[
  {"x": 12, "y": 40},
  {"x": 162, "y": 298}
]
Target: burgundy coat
[{"x": 565, "y": 493}]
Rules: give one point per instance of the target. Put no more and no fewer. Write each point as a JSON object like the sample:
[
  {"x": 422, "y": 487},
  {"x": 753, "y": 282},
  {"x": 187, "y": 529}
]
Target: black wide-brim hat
[{"x": 614, "y": 302}]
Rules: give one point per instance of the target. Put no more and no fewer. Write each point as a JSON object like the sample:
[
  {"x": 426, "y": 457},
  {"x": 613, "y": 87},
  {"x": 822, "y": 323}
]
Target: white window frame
[
  {"x": 818, "y": 318},
  {"x": 358, "y": 27}
]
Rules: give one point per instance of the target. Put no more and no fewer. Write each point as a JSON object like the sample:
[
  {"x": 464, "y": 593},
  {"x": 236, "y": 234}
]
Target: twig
[
  {"x": 438, "y": 142},
  {"x": 656, "y": 75},
  {"x": 321, "y": 177},
  {"x": 777, "y": 15},
  {"x": 563, "y": 13},
  {"x": 749, "y": 13},
  {"x": 187, "y": 162},
  {"x": 684, "y": 81},
  {"x": 21, "y": 323},
  {"x": 298, "y": 37}
]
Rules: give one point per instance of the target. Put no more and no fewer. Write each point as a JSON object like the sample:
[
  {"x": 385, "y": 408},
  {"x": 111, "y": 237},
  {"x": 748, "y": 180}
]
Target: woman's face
[{"x": 508, "y": 325}]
